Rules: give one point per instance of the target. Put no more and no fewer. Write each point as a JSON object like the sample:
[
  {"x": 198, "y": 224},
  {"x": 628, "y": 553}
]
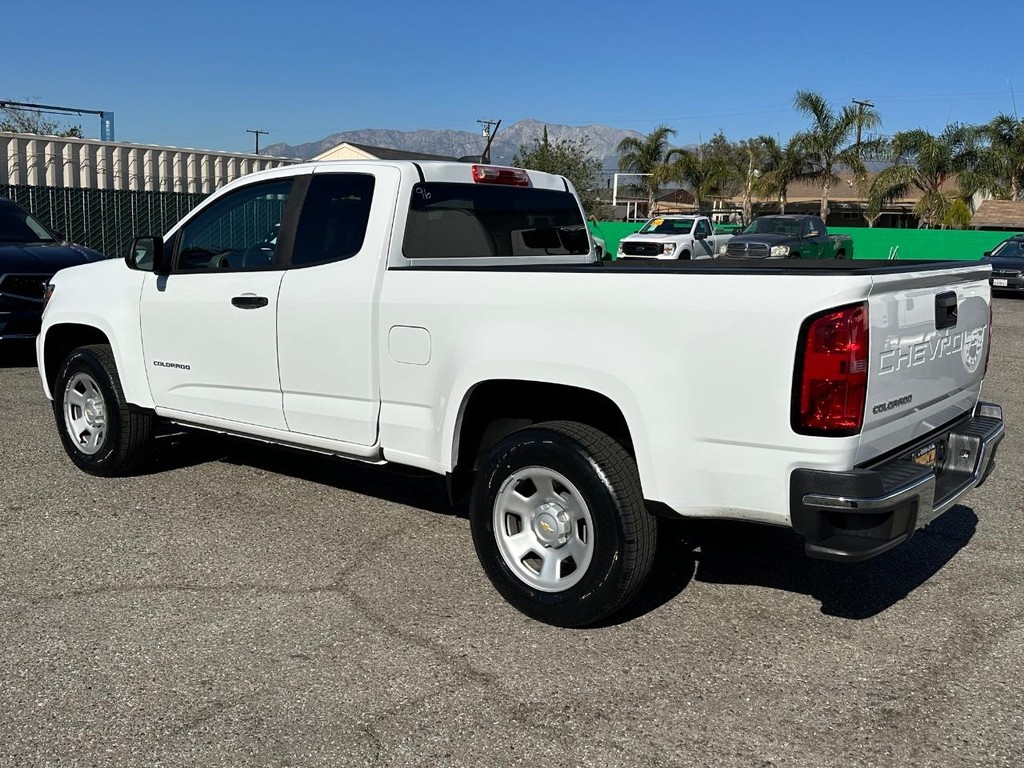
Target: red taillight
[
  {"x": 832, "y": 376},
  {"x": 493, "y": 174}
]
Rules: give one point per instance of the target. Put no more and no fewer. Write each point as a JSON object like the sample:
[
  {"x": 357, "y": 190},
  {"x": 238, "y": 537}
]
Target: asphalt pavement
[{"x": 247, "y": 606}]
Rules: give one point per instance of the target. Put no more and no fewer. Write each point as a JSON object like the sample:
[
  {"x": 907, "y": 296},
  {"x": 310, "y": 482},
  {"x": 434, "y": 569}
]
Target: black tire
[
  {"x": 840, "y": 254},
  {"x": 624, "y": 533},
  {"x": 127, "y": 433}
]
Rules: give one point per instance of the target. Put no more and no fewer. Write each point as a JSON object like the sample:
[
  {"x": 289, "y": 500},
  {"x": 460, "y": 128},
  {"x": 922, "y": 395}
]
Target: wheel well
[
  {"x": 495, "y": 409},
  {"x": 60, "y": 340}
]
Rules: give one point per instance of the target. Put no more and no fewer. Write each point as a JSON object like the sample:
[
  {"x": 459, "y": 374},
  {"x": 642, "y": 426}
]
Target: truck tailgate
[{"x": 929, "y": 339}]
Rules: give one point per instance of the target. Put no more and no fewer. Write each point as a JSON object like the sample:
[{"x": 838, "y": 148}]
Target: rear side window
[
  {"x": 465, "y": 220},
  {"x": 332, "y": 225}
]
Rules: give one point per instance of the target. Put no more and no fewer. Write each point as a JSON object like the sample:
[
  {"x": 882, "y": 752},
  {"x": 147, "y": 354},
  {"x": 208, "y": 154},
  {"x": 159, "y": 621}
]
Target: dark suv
[
  {"x": 30, "y": 254},
  {"x": 1007, "y": 260}
]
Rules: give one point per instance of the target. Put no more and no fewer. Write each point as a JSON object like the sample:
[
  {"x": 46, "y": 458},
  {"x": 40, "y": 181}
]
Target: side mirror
[
  {"x": 147, "y": 255},
  {"x": 986, "y": 254},
  {"x": 700, "y": 235},
  {"x": 812, "y": 233}
]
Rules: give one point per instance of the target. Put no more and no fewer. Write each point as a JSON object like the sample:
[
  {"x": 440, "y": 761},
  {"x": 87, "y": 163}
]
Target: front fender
[{"x": 104, "y": 297}]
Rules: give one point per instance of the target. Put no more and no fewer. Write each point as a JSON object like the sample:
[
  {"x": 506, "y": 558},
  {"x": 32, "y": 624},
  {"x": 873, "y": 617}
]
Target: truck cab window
[
  {"x": 332, "y": 225},
  {"x": 462, "y": 220},
  {"x": 238, "y": 232}
]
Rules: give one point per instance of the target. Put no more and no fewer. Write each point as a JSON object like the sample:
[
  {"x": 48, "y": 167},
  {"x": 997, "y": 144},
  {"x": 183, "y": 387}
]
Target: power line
[
  {"x": 257, "y": 133},
  {"x": 861, "y": 104},
  {"x": 489, "y": 135}
]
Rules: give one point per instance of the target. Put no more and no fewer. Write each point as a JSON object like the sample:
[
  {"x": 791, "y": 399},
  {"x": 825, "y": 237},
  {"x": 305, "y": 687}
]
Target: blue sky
[{"x": 198, "y": 74}]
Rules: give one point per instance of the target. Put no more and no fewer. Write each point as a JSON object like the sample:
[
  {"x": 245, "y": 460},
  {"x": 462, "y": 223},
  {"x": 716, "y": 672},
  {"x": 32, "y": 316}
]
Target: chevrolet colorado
[{"x": 442, "y": 316}]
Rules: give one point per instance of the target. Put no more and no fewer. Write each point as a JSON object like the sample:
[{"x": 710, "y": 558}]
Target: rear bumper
[{"x": 861, "y": 513}]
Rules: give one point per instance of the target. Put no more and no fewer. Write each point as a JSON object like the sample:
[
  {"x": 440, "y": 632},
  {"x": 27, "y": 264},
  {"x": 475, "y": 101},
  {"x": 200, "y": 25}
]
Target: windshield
[
  {"x": 449, "y": 220},
  {"x": 1010, "y": 249},
  {"x": 16, "y": 226},
  {"x": 773, "y": 225},
  {"x": 666, "y": 227}
]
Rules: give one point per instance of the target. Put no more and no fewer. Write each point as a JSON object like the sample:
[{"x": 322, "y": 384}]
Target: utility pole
[
  {"x": 489, "y": 135},
  {"x": 258, "y": 133},
  {"x": 861, "y": 104}
]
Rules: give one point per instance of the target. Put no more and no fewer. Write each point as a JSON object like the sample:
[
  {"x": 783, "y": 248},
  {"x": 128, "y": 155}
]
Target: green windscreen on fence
[
  {"x": 877, "y": 243},
  {"x": 868, "y": 243}
]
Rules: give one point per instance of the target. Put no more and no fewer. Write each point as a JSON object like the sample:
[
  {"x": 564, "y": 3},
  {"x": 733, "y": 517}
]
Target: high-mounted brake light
[
  {"x": 494, "y": 174},
  {"x": 831, "y": 382}
]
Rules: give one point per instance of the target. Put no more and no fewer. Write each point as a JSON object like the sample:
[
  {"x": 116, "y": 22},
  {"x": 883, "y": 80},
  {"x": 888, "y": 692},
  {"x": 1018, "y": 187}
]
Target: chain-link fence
[{"x": 104, "y": 219}]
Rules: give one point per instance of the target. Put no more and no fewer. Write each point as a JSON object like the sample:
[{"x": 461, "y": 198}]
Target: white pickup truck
[
  {"x": 453, "y": 317},
  {"x": 674, "y": 237}
]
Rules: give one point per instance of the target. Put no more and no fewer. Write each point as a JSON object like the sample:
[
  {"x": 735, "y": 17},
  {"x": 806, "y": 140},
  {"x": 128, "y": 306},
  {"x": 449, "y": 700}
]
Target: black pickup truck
[
  {"x": 30, "y": 254},
  {"x": 787, "y": 237}
]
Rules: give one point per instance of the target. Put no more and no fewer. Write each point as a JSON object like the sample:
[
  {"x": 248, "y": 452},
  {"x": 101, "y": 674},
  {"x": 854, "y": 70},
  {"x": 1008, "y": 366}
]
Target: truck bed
[{"x": 720, "y": 266}]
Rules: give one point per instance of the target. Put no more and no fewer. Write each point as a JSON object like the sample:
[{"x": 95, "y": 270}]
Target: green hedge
[{"x": 876, "y": 243}]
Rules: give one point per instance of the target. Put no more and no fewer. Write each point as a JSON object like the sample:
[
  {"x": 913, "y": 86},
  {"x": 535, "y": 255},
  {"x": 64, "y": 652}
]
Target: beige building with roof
[
  {"x": 350, "y": 151},
  {"x": 999, "y": 214}
]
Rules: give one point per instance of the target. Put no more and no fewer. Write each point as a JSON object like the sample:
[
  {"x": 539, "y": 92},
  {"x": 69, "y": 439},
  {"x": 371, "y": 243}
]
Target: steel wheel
[
  {"x": 85, "y": 413},
  {"x": 559, "y": 523},
  {"x": 543, "y": 529},
  {"x": 100, "y": 432}
]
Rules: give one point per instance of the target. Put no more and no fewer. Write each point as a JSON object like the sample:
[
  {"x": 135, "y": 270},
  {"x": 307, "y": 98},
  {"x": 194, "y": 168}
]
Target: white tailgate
[{"x": 921, "y": 377}]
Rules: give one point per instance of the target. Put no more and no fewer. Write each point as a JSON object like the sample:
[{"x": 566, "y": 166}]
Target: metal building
[{"x": 102, "y": 194}]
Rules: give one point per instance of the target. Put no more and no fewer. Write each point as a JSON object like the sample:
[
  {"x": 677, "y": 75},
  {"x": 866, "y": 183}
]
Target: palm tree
[
  {"x": 925, "y": 163},
  {"x": 1004, "y": 157},
  {"x": 703, "y": 172},
  {"x": 783, "y": 165},
  {"x": 646, "y": 154},
  {"x": 829, "y": 143},
  {"x": 741, "y": 162}
]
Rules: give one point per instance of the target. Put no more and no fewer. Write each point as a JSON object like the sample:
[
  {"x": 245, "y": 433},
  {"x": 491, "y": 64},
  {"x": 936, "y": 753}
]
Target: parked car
[
  {"x": 673, "y": 237},
  {"x": 453, "y": 317},
  {"x": 1007, "y": 260},
  {"x": 788, "y": 237},
  {"x": 30, "y": 254}
]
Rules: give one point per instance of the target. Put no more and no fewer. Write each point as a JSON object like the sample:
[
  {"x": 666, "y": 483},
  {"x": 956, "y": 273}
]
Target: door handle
[{"x": 250, "y": 301}]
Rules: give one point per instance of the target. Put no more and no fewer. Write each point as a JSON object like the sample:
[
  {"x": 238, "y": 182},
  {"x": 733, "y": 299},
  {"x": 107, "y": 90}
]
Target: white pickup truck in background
[
  {"x": 442, "y": 316},
  {"x": 674, "y": 237}
]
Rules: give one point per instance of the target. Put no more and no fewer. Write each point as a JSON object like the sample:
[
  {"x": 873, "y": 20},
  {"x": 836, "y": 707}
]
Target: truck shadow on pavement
[
  {"x": 711, "y": 552},
  {"x": 399, "y": 485},
  {"x": 738, "y": 553}
]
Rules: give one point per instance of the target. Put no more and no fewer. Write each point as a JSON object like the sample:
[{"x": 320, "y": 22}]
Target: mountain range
[{"x": 603, "y": 141}]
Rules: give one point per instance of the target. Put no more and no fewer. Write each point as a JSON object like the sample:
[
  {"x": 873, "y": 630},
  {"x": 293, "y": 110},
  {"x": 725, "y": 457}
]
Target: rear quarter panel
[{"x": 701, "y": 366}]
